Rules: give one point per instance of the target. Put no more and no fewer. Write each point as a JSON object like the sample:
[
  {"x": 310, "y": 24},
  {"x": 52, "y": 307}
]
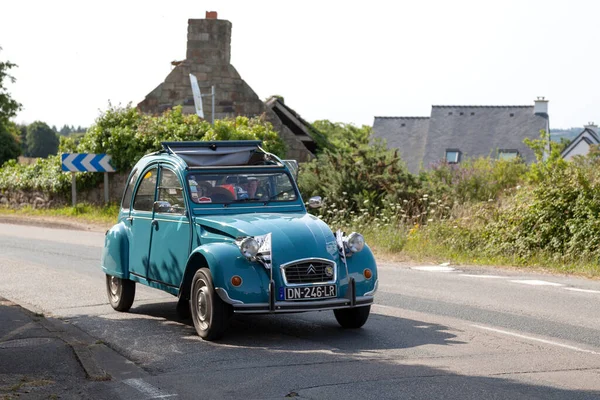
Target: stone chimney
[
  {"x": 540, "y": 106},
  {"x": 592, "y": 127},
  {"x": 209, "y": 40}
]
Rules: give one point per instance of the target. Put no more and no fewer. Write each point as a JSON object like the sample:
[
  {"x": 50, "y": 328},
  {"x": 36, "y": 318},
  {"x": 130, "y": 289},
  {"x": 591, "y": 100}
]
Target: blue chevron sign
[{"x": 84, "y": 162}]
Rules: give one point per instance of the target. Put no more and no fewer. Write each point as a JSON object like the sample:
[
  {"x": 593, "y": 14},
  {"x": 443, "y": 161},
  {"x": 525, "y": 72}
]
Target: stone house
[
  {"x": 208, "y": 58},
  {"x": 453, "y": 133}
]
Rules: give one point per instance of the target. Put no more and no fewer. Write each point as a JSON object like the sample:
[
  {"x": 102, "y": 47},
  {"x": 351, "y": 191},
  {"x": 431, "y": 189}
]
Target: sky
[{"x": 345, "y": 61}]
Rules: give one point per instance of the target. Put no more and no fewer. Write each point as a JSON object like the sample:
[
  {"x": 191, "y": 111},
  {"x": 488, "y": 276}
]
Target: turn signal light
[
  {"x": 236, "y": 280},
  {"x": 367, "y": 273}
]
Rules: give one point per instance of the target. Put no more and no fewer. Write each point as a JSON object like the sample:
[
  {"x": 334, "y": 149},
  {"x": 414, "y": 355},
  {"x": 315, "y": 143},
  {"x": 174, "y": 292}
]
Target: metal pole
[
  {"x": 212, "y": 91},
  {"x": 106, "y": 188},
  {"x": 73, "y": 189}
]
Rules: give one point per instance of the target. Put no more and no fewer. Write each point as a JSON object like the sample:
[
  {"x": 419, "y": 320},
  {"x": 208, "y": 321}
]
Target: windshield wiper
[{"x": 279, "y": 194}]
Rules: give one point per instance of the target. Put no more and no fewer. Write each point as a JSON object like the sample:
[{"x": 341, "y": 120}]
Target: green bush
[
  {"x": 479, "y": 179},
  {"x": 128, "y": 135},
  {"x": 364, "y": 178}
]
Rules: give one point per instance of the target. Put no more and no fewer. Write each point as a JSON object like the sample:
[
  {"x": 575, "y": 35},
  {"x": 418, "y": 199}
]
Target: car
[{"x": 222, "y": 226}]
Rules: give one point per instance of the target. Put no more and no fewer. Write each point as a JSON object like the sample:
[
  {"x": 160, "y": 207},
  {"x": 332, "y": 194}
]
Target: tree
[
  {"x": 9, "y": 145},
  {"x": 343, "y": 138},
  {"x": 65, "y": 130},
  {"x": 41, "y": 140},
  {"x": 8, "y": 106},
  {"x": 23, "y": 138}
]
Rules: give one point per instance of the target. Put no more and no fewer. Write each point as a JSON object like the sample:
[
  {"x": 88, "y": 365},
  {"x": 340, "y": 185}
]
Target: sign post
[{"x": 84, "y": 162}]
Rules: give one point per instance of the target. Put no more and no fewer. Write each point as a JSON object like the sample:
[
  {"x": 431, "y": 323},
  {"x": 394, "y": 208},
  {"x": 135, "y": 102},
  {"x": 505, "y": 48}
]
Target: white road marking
[
  {"x": 483, "y": 276},
  {"x": 566, "y": 346},
  {"x": 582, "y": 290},
  {"x": 147, "y": 389},
  {"x": 436, "y": 268},
  {"x": 535, "y": 282}
]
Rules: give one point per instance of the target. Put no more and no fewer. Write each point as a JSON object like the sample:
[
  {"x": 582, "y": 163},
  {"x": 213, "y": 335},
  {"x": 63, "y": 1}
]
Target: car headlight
[
  {"x": 248, "y": 247},
  {"x": 355, "y": 242}
]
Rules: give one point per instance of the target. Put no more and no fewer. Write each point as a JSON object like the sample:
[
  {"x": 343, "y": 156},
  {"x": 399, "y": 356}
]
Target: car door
[
  {"x": 140, "y": 221},
  {"x": 171, "y": 236}
]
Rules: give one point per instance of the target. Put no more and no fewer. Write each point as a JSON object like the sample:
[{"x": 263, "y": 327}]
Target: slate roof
[
  {"x": 473, "y": 130},
  {"x": 304, "y": 131},
  {"x": 407, "y": 134}
]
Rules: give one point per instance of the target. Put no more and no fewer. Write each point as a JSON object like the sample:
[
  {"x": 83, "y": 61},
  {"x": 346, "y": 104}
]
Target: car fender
[
  {"x": 115, "y": 256},
  {"x": 357, "y": 263},
  {"x": 225, "y": 261}
]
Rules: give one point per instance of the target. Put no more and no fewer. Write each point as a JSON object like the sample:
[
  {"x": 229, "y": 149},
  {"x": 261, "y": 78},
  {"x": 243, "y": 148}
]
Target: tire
[
  {"x": 209, "y": 313},
  {"x": 352, "y": 318},
  {"x": 121, "y": 292}
]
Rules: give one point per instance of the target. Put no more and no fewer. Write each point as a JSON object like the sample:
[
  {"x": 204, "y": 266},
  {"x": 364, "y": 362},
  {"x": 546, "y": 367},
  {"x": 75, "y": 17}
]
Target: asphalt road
[{"x": 462, "y": 333}]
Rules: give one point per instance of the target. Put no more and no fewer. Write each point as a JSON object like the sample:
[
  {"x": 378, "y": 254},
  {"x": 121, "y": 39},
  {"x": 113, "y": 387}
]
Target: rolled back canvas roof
[{"x": 217, "y": 153}]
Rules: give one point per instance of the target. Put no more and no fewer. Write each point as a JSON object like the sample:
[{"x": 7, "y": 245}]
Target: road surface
[{"x": 435, "y": 332}]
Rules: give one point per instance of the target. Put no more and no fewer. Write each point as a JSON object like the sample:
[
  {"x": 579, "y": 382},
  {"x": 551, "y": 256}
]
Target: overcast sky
[{"x": 345, "y": 61}]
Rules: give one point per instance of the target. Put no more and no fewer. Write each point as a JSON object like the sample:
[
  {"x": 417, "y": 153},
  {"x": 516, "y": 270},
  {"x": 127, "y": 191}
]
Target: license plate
[{"x": 310, "y": 292}]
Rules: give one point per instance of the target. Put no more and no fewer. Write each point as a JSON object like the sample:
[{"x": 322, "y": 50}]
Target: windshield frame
[{"x": 242, "y": 173}]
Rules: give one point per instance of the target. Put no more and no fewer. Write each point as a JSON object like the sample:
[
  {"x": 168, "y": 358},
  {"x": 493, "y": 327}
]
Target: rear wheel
[
  {"x": 352, "y": 318},
  {"x": 121, "y": 292},
  {"x": 209, "y": 313}
]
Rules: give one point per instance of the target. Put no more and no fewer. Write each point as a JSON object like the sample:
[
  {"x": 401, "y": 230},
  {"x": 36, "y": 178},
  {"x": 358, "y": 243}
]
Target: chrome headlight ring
[
  {"x": 354, "y": 242},
  {"x": 248, "y": 247}
]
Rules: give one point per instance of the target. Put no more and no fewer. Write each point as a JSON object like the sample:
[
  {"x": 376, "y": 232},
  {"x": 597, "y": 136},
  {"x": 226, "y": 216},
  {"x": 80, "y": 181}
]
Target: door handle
[
  {"x": 130, "y": 220},
  {"x": 154, "y": 223}
]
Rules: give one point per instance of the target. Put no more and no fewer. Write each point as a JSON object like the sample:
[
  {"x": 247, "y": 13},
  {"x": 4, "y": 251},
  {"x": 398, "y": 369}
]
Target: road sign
[
  {"x": 84, "y": 162},
  {"x": 197, "y": 96}
]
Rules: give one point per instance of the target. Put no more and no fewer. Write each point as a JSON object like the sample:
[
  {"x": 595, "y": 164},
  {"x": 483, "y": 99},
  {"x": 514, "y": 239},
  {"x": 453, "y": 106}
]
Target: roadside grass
[
  {"x": 420, "y": 247},
  {"x": 83, "y": 212}
]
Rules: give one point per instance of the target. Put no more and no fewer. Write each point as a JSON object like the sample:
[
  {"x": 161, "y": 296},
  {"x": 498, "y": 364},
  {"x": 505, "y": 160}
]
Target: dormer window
[
  {"x": 507, "y": 154},
  {"x": 452, "y": 156}
]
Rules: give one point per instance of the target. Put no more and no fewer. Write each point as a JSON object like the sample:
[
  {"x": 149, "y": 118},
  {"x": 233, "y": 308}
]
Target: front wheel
[
  {"x": 121, "y": 292},
  {"x": 209, "y": 313},
  {"x": 352, "y": 318}
]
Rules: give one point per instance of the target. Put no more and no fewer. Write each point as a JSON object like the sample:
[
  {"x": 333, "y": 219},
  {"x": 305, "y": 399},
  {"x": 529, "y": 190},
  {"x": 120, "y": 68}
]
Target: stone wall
[
  {"x": 208, "y": 58},
  {"x": 39, "y": 199}
]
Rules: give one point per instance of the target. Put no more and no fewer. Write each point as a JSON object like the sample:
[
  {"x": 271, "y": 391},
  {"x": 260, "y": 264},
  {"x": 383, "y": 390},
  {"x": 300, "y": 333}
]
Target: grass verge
[
  {"x": 422, "y": 245},
  {"x": 83, "y": 212}
]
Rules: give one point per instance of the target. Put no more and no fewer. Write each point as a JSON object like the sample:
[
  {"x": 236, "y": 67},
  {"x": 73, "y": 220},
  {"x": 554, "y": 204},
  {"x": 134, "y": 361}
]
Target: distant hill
[{"x": 569, "y": 134}]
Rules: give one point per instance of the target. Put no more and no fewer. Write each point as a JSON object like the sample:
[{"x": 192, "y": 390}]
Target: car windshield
[{"x": 240, "y": 187}]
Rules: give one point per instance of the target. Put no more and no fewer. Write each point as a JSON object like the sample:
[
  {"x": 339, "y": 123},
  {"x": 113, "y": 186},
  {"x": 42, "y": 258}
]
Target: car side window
[
  {"x": 129, "y": 190},
  {"x": 170, "y": 190},
  {"x": 144, "y": 198}
]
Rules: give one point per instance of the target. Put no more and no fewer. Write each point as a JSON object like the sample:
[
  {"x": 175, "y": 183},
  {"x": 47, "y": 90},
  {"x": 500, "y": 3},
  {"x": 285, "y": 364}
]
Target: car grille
[{"x": 301, "y": 272}]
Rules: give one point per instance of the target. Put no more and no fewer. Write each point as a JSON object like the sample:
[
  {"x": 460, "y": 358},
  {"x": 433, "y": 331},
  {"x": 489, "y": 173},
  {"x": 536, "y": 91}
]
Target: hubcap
[
  {"x": 203, "y": 306},
  {"x": 114, "y": 286}
]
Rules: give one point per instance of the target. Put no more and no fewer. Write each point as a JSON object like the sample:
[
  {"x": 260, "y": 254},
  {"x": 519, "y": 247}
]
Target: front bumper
[{"x": 300, "y": 305}]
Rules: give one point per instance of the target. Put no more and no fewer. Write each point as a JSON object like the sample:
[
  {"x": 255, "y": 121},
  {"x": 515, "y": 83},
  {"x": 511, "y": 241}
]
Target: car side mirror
[
  {"x": 315, "y": 202},
  {"x": 162, "y": 207}
]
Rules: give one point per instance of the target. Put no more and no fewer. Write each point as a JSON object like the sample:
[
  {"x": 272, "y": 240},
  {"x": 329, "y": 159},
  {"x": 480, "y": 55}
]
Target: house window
[
  {"x": 452, "y": 156},
  {"x": 507, "y": 154}
]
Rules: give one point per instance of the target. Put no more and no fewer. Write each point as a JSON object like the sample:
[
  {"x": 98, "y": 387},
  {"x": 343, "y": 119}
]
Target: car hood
[{"x": 294, "y": 236}]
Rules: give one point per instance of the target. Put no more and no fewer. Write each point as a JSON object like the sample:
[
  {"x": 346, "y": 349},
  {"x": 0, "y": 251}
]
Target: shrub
[
  {"x": 479, "y": 179},
  {"x": 363, "y": 178},
  {"x": 127, "y": 135}
]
